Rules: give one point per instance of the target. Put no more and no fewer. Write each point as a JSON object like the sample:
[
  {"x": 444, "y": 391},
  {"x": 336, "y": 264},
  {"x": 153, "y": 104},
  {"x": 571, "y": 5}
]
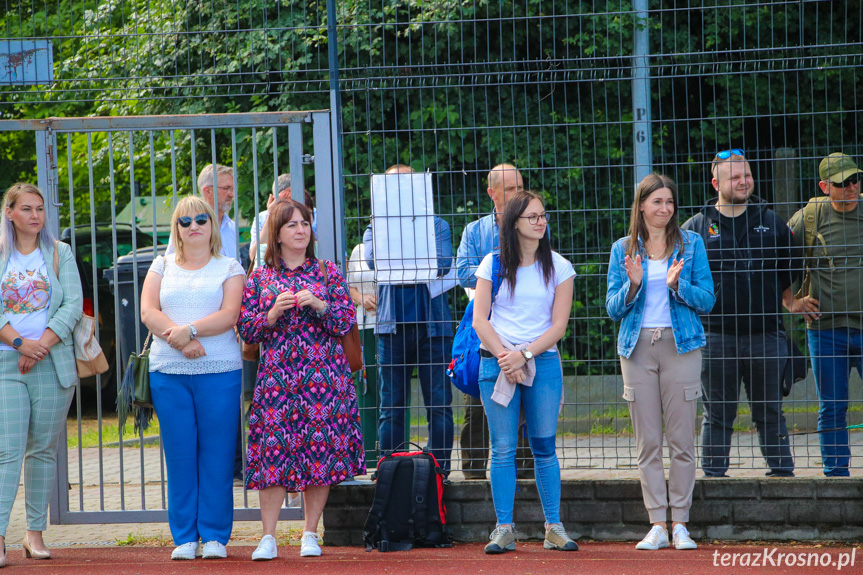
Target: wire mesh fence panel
[
  {"x": 583, "y": 99},
  {"x": 113, "y": 184}
]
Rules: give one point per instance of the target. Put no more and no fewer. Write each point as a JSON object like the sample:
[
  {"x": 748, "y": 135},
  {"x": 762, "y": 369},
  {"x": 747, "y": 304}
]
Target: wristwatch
[
  {"x": 193, "y": 333},
  {"x": 17, "y": 342},
  {"x": 526, "y": 355}
]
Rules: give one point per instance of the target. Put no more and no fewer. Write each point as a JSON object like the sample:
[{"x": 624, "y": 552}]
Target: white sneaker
[
  {"x": 214, "y": 550},
  {"x": 309, "y": 546},
  {"x": 656, "y": 538},
  {"x": 294, "y": 500},
  {"x": 681, "y": 537},
  {"x": 186, "y": 551},
  {"x": 266, "y": 550}
]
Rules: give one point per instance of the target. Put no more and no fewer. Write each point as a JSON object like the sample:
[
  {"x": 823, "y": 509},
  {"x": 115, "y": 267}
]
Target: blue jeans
[
  {"x": 833, "y": 353},
  {"x": 398, "y": 354},
  {"x": 541, "y": 403},
  {"x": 198, "y": 417}
]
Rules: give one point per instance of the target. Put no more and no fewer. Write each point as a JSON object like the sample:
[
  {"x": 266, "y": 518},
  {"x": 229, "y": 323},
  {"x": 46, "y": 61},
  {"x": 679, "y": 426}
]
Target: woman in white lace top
[{"x": 190, "y": 302}]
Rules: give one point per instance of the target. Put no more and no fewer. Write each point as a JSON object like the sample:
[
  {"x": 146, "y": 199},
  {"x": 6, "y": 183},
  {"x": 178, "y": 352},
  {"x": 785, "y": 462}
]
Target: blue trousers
[
  {"x": 399, "y": 353},
  {"x": 834, "y": 352},
  {"x": 541, "y": 403},
  {"x": 198, "y": 417}
]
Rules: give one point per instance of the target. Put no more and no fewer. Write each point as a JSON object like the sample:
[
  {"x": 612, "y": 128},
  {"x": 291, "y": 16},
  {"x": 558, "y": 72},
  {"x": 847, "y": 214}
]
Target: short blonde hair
[{"x": 192, "y": 206}]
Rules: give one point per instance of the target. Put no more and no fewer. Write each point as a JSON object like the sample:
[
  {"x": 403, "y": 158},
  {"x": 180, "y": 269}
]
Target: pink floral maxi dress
[{"x": 304, "y": 426}]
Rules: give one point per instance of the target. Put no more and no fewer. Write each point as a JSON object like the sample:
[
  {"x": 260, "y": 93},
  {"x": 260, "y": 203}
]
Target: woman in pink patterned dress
[{"x": 304, "y": 428}]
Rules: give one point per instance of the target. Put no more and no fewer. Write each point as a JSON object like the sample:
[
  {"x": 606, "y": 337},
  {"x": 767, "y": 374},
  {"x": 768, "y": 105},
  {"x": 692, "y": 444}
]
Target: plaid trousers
[{"x": 33, "y": 410}]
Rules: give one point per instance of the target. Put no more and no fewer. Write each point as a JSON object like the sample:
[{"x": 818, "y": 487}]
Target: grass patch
[
  {"x": 134, "y": 540},
  {"x": 110, "y": 432}
]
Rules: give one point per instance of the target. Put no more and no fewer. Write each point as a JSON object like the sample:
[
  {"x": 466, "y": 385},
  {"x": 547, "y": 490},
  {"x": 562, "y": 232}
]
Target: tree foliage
[{"x": 456, "y": 87}]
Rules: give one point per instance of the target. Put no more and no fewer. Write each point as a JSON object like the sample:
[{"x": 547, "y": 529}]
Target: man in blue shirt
[
  {"x": 415, "y": 330},
  {"x": 479, "y": 239}
]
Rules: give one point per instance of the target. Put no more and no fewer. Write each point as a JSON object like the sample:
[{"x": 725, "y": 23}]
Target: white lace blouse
[{"x": 186, "y": 296}]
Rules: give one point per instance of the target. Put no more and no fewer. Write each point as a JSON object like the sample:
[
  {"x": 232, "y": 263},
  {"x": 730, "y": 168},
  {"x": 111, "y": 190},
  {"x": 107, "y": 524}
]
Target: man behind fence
[
  {"x": 830, "y": 228},
  {"x": 415, "y": 330},
  {"x": 750, "y": 252},
  {"x": 224, "y": 201},
  {"x": 479, "y": 239}
]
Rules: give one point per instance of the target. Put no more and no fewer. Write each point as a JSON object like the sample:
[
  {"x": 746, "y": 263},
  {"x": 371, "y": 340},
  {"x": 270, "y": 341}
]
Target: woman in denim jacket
[{"x": 658, "y": 282}]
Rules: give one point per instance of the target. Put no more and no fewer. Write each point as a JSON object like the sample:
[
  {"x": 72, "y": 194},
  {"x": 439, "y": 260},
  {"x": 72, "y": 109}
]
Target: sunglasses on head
[
  {"x": 732, "y": 152},
  {"x": 849, "y": 181},
  {"x": 200, "y": 219}
]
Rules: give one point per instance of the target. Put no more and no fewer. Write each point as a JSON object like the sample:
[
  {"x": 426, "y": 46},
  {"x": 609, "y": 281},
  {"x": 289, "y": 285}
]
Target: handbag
[
  {"x": 251, "y": 351},
  {"x": 89, "y": 357},
  {"x": 133, "y": 393},
  {"x": 796, "y": 367},
  {"x": 351, "y": 340},
  {"x": 463, "y": 370}
]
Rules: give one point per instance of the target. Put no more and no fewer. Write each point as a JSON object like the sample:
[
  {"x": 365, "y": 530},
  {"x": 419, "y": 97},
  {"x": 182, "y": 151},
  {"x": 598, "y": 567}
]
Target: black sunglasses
[
  {"x": 849, "y": 181},
  {"x": 200, "y": 219}
]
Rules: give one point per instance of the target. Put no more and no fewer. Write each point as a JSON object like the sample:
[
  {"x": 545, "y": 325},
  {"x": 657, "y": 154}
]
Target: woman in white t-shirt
[
  {"x": 38, "y": 310},
  {"x": 520, "y": 365},
  {"x": 190, "y": 302}
]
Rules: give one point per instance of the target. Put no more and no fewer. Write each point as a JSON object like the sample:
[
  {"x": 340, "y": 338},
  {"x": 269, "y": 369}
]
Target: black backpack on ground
[{"x": 408, "y": 509}]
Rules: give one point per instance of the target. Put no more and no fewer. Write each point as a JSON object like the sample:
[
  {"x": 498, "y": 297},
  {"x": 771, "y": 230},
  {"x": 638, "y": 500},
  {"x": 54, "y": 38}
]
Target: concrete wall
[{"x": 726, "y": 509}]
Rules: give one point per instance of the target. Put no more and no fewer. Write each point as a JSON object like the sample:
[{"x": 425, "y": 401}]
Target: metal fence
[
  {"x": 583, "y": 97},
  {"x": 144, "y": 163}
]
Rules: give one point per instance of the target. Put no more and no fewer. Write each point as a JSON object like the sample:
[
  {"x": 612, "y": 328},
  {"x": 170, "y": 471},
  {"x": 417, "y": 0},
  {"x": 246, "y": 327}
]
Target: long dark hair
[
  {"x": 281, "y": 213},
  {"x": 510, "y": 254},
  {"x": 637, "y": 227}
]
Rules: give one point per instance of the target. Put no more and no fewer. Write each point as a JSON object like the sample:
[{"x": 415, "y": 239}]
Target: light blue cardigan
[{"x": 64, "y": 311}]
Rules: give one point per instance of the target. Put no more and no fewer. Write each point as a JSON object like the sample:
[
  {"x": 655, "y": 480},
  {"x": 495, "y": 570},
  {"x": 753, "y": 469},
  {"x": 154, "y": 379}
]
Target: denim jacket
[
  {"x": 694, "y": 295},
  {"x": 479, "y": 239}
]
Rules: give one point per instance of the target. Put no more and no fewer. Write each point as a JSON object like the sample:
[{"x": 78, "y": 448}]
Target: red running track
[{"x": 529, "y": 559}]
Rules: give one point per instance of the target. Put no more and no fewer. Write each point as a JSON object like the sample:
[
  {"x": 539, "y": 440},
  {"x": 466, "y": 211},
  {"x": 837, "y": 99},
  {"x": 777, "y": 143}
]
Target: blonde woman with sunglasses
[{"x": 190, "y": 302}]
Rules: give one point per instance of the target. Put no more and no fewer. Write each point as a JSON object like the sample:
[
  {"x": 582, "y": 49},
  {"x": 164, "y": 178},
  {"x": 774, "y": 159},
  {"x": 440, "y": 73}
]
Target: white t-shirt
[
  {"x": 657, "y": 310},
  {"x": 26, "y": 294},
  {"x": 363, "y": 279},
  {"x": 525, "y": 315},
  {"x": 185, "y": 297}
]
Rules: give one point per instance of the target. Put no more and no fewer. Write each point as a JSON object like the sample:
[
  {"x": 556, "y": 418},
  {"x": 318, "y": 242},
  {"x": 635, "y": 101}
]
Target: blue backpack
[{"x": 464, "y": 367}]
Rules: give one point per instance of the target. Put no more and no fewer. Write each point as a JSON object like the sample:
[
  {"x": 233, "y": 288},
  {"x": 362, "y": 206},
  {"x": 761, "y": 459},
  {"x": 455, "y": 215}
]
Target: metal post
[
  {"x": 338, "y": 183},
  {"x": 295, "y": 157},
  {"x": 641, "y": 92},
  {"x": 48, "y": 180}
]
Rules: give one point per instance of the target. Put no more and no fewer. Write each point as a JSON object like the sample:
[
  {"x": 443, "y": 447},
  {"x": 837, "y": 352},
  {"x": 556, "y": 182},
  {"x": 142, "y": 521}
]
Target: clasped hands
[
  {"x": 31, "y": 350},
  {"x": 511, "y": 364},
  {"x": 635, "y": 272},
  {"x": 179, "y": 337},
  {"x": 288, "y": 300}
]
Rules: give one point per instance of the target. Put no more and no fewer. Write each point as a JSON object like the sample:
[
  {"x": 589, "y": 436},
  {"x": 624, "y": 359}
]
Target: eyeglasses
[
  {"x": 849, "y": 181},
  {"x": 533, "y": 220},
  {"x": 732, "y": 152},
  {"x": 200, "y": 219}
]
